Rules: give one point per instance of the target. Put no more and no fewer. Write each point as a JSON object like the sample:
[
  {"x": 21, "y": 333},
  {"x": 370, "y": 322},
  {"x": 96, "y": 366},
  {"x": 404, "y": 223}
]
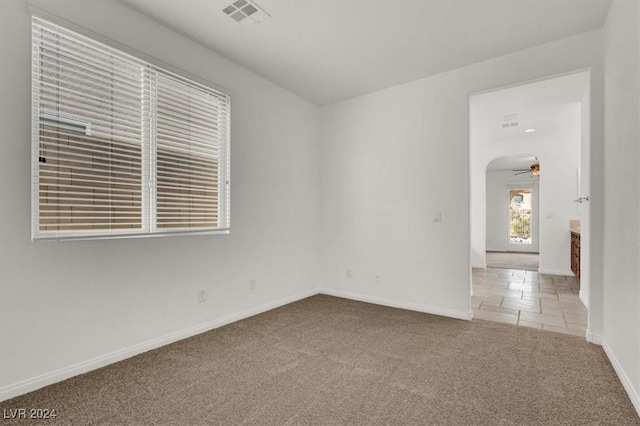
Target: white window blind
[{"x": 121, "y": 146}]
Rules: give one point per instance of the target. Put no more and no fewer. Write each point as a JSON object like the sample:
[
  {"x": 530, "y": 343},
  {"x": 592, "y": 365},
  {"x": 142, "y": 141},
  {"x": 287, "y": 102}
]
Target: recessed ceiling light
[{"x": 530, "y": 130}]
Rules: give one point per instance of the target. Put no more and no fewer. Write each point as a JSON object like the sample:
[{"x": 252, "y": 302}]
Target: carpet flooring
[
  {"x": 511, "y": 260},
  {"x": 326, "y": 360}
]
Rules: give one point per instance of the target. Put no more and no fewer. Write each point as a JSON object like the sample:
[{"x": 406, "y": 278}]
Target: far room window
[
  {"x": 122, "y": 147},
  {"x": 520, "y": 216}
]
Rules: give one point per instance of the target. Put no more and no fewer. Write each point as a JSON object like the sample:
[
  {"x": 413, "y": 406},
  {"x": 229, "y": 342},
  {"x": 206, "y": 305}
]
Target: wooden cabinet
[{"x": 575, "y": 253}]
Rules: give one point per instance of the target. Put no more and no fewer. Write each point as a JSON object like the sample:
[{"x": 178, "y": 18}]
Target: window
[
  {"x": 520, "y": 216},
  {"x": 122, "y": 146}
]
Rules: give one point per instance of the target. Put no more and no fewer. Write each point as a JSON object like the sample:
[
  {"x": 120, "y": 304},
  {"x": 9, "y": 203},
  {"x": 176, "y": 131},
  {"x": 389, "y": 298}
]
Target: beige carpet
[
  {"x": 511, "y": 260},
  {"x": 326, "y": 360}
]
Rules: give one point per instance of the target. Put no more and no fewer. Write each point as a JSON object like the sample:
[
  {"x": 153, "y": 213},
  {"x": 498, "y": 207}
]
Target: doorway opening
[
  {"x": 512, "y": 224},
  {"x": 517, "y": 211}
]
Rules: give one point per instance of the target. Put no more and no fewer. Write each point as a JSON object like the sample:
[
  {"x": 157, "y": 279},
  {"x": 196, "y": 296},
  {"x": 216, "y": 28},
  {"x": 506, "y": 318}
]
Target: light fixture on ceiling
[
  {"x": 246, "y": 12},
  {"x": 530, "y": 130},
  {"x": 534, "y": 170}
]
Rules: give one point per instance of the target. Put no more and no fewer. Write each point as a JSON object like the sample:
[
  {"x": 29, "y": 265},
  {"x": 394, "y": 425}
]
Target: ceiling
[
  {"x": 330, "y": 50},
  {"x": 540, "y": 106},
  {"x": 511, "y": 163}
]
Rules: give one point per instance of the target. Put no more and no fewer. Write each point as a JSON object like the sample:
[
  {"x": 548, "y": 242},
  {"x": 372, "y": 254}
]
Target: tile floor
[{"x": 530, "y": 299}]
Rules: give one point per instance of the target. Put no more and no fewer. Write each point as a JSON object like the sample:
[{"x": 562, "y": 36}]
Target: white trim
[
  {"x": 568, "y": 272},
  {"x": 398, "y": 304},
  {"x": 59, "y": 375},
  {"x": 596, "y": 339},
  {"x": 115, "y": 235},
  {"x": 624, "y": 379},
  {"x": 29, "y": 385}
]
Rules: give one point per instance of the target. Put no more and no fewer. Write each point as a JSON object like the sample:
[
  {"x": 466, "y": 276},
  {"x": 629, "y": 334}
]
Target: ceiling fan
[{"x": 534, "y": 170}]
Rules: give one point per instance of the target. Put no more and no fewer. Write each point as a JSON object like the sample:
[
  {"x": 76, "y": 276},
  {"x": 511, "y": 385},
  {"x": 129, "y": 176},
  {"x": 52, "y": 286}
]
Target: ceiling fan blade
[{"x": 522, "y": 172}]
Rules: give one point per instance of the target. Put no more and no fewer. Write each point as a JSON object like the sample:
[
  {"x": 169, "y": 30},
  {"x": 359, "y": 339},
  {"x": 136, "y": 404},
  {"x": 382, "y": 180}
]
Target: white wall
[
  {"x": 559, "y": 156},
  {"x": 499, "y": 182},
  {"x": 584, "y": 209},
  {"x": 621, "y": 334},
  {"x": 70, "y": 306},
  {"x": 390, "y": 159}
]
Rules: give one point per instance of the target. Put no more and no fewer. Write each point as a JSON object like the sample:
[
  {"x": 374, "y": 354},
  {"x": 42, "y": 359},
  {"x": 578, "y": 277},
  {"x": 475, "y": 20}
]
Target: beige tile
[
  {"x": 547, "y": 302},
  {"x": 575, "y": 318},
  {"x": 498, "y": 292},
  {"x": 548, "y": 286},
  {"x": 495, "y": 316},
  {"x": 493, "y": 280},
  {"x": 542, "y": 319},
  {"x": 563, "y": 330},
  {"x": 521, "y": 305},
  {"x": 496, "y": 300},
  {"x": 530, "y": 324},
  {"x": 501, "y": 286},
  {"x": 569, "y": 298},
  {"x": 554, "y": 311},
  {"x": 582, "y": 327},
  {"x": 524, "y": 287},
  {"x": 499, "y": 309},
  {"x": 539, "y": 295},
  {"x": 574, "y": 310},
  {"x": 550, "y": 303},
  {"x": 480, "y": 286}
]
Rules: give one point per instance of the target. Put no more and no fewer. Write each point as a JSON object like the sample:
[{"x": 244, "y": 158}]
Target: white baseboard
[
  {"x": 568, "y": 272},
  {"x": 624, "y": 379},
  {"x": 47, "y": 379},
  {"x": 480, "y": 266},
  {"x": 596, "y": 339},
  {"x": 398, "y": 304}
]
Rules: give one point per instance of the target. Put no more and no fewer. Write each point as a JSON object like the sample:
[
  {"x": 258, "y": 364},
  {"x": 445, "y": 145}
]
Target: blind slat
[{"x": 119, "y": 142}]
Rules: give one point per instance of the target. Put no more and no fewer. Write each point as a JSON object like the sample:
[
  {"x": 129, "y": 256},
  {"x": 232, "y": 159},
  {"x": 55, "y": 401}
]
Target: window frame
[{"x": 149, "y": 224}]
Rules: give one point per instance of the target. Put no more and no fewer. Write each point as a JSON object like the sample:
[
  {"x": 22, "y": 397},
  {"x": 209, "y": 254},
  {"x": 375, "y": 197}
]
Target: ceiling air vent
[
  {"x": 510, "y": 120},
  {"x": 246, "y": 12}
]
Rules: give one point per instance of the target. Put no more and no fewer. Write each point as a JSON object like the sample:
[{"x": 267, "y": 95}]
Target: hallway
[{"x": 529, "y": 299}]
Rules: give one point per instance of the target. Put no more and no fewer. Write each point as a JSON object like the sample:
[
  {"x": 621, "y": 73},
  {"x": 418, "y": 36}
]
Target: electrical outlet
[
  {"x": 437, "y": 216},
  {"x": 376, "y": 277},
  {"x": 252, "y": 285},
  {"x": 202, "y": 295},
  {"x": 349, "y": 274}
]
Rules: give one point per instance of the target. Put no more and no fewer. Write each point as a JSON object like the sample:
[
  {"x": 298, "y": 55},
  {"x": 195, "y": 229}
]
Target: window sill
[{"x": 114, "y": 236}]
